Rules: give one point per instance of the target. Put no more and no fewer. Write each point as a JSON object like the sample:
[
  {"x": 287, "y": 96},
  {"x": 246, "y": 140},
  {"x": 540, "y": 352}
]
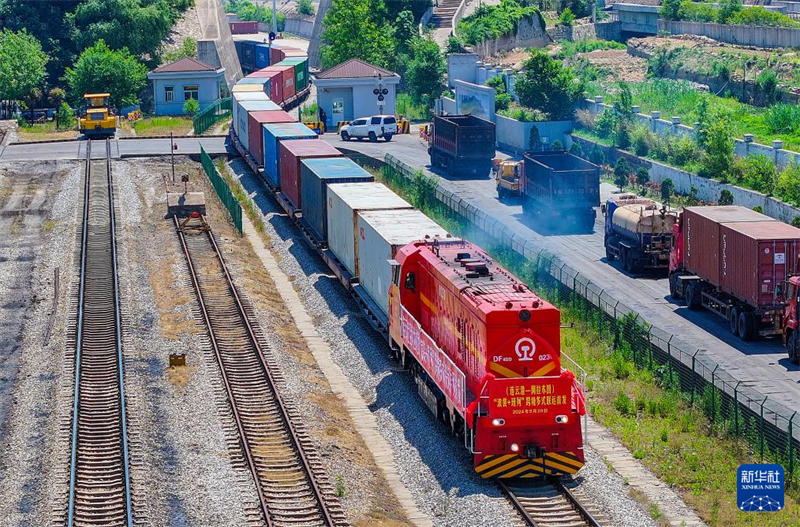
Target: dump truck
[
  {"x": 461, "y": 144},
  {"x": 638, "y": 232},
  {"x": 507, "y": 175},
  {"x": 560, "y": 190},
  {"x": 735, "y": 262}
]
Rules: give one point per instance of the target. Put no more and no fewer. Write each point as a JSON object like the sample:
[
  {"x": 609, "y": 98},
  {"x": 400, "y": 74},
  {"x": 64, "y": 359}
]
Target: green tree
[
  {"x": 101, "y": 69},
  {"x": 788, "y": 188},
  {"x": 426, "y": 70},
  {"x": 65, "y": 117},
  {"x": 405, "y": 30},
  {"x": 597, "y": 156},
  {"x": 557, "y": 145},
  {"x": 304, "y": 7},
  {"x": 191, "y": 107},
  {"x": 567, "y": 17},
  {"x": 669, "y": 9},
  {"x": 622, "y": 172},
  {"x": 22, "y": 64},
  {"x": 187, "y": 49},
  {"x": 534, "y": 139},
  {"x": 622, "y": 135},
  {"x": 545, "y": 84},
  {"x": 667, "y": 189},
  {"x": 796, "y": 221},
  {"x": 453, "y": 45},
  {"x": 624, "y": 105},
  {"x": 358, "y": 29},
  {"x": 718, "y": 159},
  {"x": 725, "y": 197},
  {"x": 727, "y": 9},
  {"x": 642, "y": 176},
  {"x": 575, "y": 149}
]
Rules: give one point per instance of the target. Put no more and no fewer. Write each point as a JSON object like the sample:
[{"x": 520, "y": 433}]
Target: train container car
[
  {"x": 292, "y": 153},
  {"x": 734, "y": 262},
  {"x": 381, "y": 233},
  {"x": 247, "y": 58},
  {"x": 285, "y": 81},
  {"x": 462, "y": 144},
  {"x": 315, "y": 176},
  {"x": 485, "y": 351},
  {"x": 273, "y": 134},
  {"x": 256, "y": 120},
  {"x": 262, "y": 55},
  {"x": 561, "y": 190},
  {"x": 276, "y": 53},
  {"x": 275, "y": 85},
  {"x": 300, "y": 65},
  {"x": 241, "y": 124},
  {"x": 345, "y": 202}
]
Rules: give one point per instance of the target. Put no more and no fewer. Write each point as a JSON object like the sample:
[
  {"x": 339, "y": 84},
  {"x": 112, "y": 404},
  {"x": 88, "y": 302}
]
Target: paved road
[
  {"x": 762, "y": 365},
  {"x": 119, "y": 147}
]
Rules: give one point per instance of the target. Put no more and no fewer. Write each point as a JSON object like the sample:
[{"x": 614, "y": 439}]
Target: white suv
[{"x": 384, "y": 126}]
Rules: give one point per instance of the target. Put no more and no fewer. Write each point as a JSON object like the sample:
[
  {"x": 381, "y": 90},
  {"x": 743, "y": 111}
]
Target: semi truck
[
  {"x": 638, "y": 233},
  {"x": 735, "y": 262},
  {"x": 560, "y": 189},
  {"x": 462, "y": 144}
]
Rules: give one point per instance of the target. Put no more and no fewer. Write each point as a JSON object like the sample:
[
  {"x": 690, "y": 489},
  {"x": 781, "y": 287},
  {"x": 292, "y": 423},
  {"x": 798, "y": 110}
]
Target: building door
[{"x": 337, "y": 111}]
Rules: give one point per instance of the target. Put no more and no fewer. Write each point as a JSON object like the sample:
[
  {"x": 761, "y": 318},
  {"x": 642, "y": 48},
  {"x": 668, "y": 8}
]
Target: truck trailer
[
  {"x": 734, "y": 262},
  {"x": 561, "y": 189},
  {"x": 462, "y": 144},
  {"x": 638, "y": 232}
]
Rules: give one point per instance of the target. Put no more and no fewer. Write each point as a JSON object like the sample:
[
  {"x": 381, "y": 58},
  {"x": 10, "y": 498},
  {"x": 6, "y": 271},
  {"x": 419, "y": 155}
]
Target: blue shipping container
[
  {"x": 248, "y": 56},
  {"x": 274, "y": 133},
  {"x": 262, "y": 56},
  {"x": 315, "y": 176}
]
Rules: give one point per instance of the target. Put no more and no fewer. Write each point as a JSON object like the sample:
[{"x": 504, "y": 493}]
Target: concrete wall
[
  {"x": 513, "y": 135},
  {"x": 214, "y": 25},
  {"x": 639, "y": 19},
  {"x": 572, "y": 33},
  {"x": 762, "y": 37},
  {"x": 424, "y": 19},
  {"x": 530, "y": 34},
  {"x": 314, "y": 60},
  {"x": 672, "y": 126},
  {"x": 707, "y": 189},
  {"x": 608, "y": 30},
  {"x": 449, "y": 106},
  {"x": 474, "y": 99},
  {"x": 461, "y": 66},
  {"x": 300, "y": 26}
]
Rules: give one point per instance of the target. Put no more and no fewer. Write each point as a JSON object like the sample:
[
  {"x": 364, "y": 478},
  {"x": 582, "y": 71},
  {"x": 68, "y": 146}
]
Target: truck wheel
[
  {"x": 746, "y": 325},
  {"x": 673, "y": 286},
  {"x": 623, "y": 257},
  {"x": 794, "y": 356},
  {"x": 693, "y": 296},
  {"x": 733, "y": 320},
  {"x": 373, "y": 138}
]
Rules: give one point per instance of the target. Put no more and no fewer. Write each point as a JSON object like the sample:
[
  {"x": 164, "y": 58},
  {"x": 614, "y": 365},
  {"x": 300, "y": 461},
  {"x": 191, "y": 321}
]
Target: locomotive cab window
[
  {"x": 395, "y": 272},
  {"x": 411, "y": 281}
]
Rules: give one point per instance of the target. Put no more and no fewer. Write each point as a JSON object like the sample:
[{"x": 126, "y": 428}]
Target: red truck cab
[{"x": 790, "y": 339}]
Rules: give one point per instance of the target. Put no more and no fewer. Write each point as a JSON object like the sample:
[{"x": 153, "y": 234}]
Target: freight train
[{"x": 483, "y": 348}]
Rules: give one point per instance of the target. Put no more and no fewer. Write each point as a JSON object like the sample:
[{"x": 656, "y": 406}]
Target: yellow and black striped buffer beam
[{"x": 514, "y": 466}]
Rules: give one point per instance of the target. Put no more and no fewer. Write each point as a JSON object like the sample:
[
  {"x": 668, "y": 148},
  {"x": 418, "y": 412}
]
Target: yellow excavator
[{"x": 97, "y": 119}]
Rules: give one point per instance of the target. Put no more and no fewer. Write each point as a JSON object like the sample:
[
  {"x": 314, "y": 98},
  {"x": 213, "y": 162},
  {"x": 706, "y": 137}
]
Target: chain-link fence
[
  {"x": 219, "y": 109},
  {"x": 223, "y": 190},
  {"x": 767, "y": 425}
]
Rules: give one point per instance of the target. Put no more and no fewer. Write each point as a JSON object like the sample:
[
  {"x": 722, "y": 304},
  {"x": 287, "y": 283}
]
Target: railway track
[
  {"x": 286, "y": 469},
  {"x": 100, "y": 489},
  {"x": 549, "y": 504}
]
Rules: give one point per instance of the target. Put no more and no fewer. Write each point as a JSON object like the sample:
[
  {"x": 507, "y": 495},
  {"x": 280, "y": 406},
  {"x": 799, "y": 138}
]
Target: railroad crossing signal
[
  {"x": 381, "y": 93},
  {"x": 271, "y": 36}
]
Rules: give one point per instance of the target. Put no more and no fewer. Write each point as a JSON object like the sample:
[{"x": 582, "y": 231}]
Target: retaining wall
[
  {"x": 707, "y": 189},
  {"x": 513, "y": 135},
  {"x": 762, "y": 37},
  {"x": 300, "y": 26},
  {"x": 530, "y": 34}
]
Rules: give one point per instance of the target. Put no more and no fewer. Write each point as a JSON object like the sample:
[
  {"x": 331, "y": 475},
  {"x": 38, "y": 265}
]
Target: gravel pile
[
  {"x": 37, "y": 236},
  {"x": 179, "y": 417}
]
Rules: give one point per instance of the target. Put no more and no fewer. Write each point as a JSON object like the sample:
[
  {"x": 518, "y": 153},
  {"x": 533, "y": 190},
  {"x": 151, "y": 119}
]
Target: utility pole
[{"x": 274, "y": 17}]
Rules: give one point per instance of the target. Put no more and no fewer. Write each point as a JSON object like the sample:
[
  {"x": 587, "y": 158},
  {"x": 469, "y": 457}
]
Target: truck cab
[
  {"x": 508, "y": 175},
  {"x": 790, "y": 338},
  {"x": 97, "y": 119}
]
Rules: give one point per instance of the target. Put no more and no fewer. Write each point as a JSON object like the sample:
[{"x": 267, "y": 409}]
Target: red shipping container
[
  {"x": 241, "y": 27},
  {"x": 287, "y": 73},
  {"x": 293, "y": 151},
  {"x": 278, "y": 82},
  {"x": 701, "y": 236},
  {"x": 755, "y": 257},
  {"x": 275, "y": 54},
  {"x": 256, "y": 131}
]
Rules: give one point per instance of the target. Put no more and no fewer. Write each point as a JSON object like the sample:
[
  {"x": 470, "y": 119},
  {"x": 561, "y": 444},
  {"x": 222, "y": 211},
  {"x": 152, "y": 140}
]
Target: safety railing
[
  {"x": 767, "y": 425},
  {"x": 219, "y": 109},
  {"x": 223, "y": 190}
]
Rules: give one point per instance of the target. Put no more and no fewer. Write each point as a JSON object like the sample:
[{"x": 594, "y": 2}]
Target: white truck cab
[{"x": 383, "y": 126}]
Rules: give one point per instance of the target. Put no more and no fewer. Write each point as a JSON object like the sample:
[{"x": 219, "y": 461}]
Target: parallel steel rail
[
  {"x": 285, "y": 468},
  {"x": 100, "y": 488},
  {"x": 561, "y": 506}
]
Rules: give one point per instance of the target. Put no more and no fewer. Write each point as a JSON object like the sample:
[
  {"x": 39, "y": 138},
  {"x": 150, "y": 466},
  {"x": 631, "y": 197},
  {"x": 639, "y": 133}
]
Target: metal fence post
[
  {"x": 694, "y": 374},
  {"x": 736, "y": 406},
  {"x": 761, "y": 427},
  {"x": 616, "y": 327},
  {"x": 650, "y": 346},
  {"x": 714, "y": 394},
  {"x": 791, "y": 454}
]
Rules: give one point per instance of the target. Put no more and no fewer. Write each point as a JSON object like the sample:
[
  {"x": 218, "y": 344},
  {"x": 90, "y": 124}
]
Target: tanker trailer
[{"x": 638, "y": 233}]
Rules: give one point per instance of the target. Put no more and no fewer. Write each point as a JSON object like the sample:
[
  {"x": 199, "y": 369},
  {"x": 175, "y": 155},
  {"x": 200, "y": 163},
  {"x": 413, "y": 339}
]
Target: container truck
[
  {"x": 462, "y": 144},
  {"x": 734, "y": 262},
  {"x": 638, "y": 232},
  {"x": 560, "y": 189}
]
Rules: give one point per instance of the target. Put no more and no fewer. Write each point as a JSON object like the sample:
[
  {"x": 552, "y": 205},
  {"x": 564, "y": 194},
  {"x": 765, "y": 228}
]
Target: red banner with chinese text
[
  {"x": 530, "y": 399},
  {"x": 436, "y": 363}
]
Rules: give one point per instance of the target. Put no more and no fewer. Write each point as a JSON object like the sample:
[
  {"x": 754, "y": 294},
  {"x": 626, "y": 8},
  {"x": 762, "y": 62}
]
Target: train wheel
[
  {"x": 746, "y": 325},
  {"x": 733, "y": 320}
]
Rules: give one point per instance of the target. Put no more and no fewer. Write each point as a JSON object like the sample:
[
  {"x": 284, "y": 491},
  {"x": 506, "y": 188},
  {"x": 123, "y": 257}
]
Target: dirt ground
[{"x": 626, "y": 67}]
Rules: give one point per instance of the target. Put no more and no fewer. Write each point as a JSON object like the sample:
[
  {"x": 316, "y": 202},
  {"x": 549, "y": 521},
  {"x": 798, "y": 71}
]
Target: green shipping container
[{"x": 300, "y": 71}]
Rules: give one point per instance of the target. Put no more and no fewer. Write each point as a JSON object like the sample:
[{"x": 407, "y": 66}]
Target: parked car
[{"x": 372, "y": 128}]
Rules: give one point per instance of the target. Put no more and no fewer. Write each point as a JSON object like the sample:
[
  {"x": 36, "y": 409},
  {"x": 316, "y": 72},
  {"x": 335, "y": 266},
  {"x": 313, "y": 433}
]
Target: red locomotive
[{"x": 485, "y": 351}]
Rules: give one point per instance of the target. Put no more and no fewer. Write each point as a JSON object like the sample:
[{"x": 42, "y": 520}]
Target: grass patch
[
  {"x": 44, "y": 131},
  {"x": 631, "y": 394},
  {"x": 154, "y": 126},
  {"x": 248, "y": 205},
  {"x": 49, "y": 225}
]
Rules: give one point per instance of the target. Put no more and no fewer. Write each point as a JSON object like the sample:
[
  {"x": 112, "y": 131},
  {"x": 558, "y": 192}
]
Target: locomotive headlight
[
  {"x": 498, "y": 422},
  {"x": 562, "y": 419},
  {"x": 514, "y": 447}
]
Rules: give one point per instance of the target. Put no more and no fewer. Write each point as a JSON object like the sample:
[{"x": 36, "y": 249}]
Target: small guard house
[
  {"x": 347, "y": 91},
  {"x": 187, "y": 78}
]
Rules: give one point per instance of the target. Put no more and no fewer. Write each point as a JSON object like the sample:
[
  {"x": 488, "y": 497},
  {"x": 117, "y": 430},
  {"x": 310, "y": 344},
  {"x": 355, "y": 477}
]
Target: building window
[
  {"x": 190, "y": 92},
  {"x": 169, "y": 93}
]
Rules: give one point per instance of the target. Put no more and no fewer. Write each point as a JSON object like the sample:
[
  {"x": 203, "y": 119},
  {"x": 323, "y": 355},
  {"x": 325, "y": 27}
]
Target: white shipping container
[
  {"x": 345, "y": 201},
  {"x": 242, "y": 127},
  {"x": 380, "y": 234}
]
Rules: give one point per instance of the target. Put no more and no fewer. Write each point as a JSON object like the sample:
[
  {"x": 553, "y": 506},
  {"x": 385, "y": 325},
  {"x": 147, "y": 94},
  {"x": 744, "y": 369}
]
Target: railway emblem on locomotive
[{"x": 525, "y": 348}]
